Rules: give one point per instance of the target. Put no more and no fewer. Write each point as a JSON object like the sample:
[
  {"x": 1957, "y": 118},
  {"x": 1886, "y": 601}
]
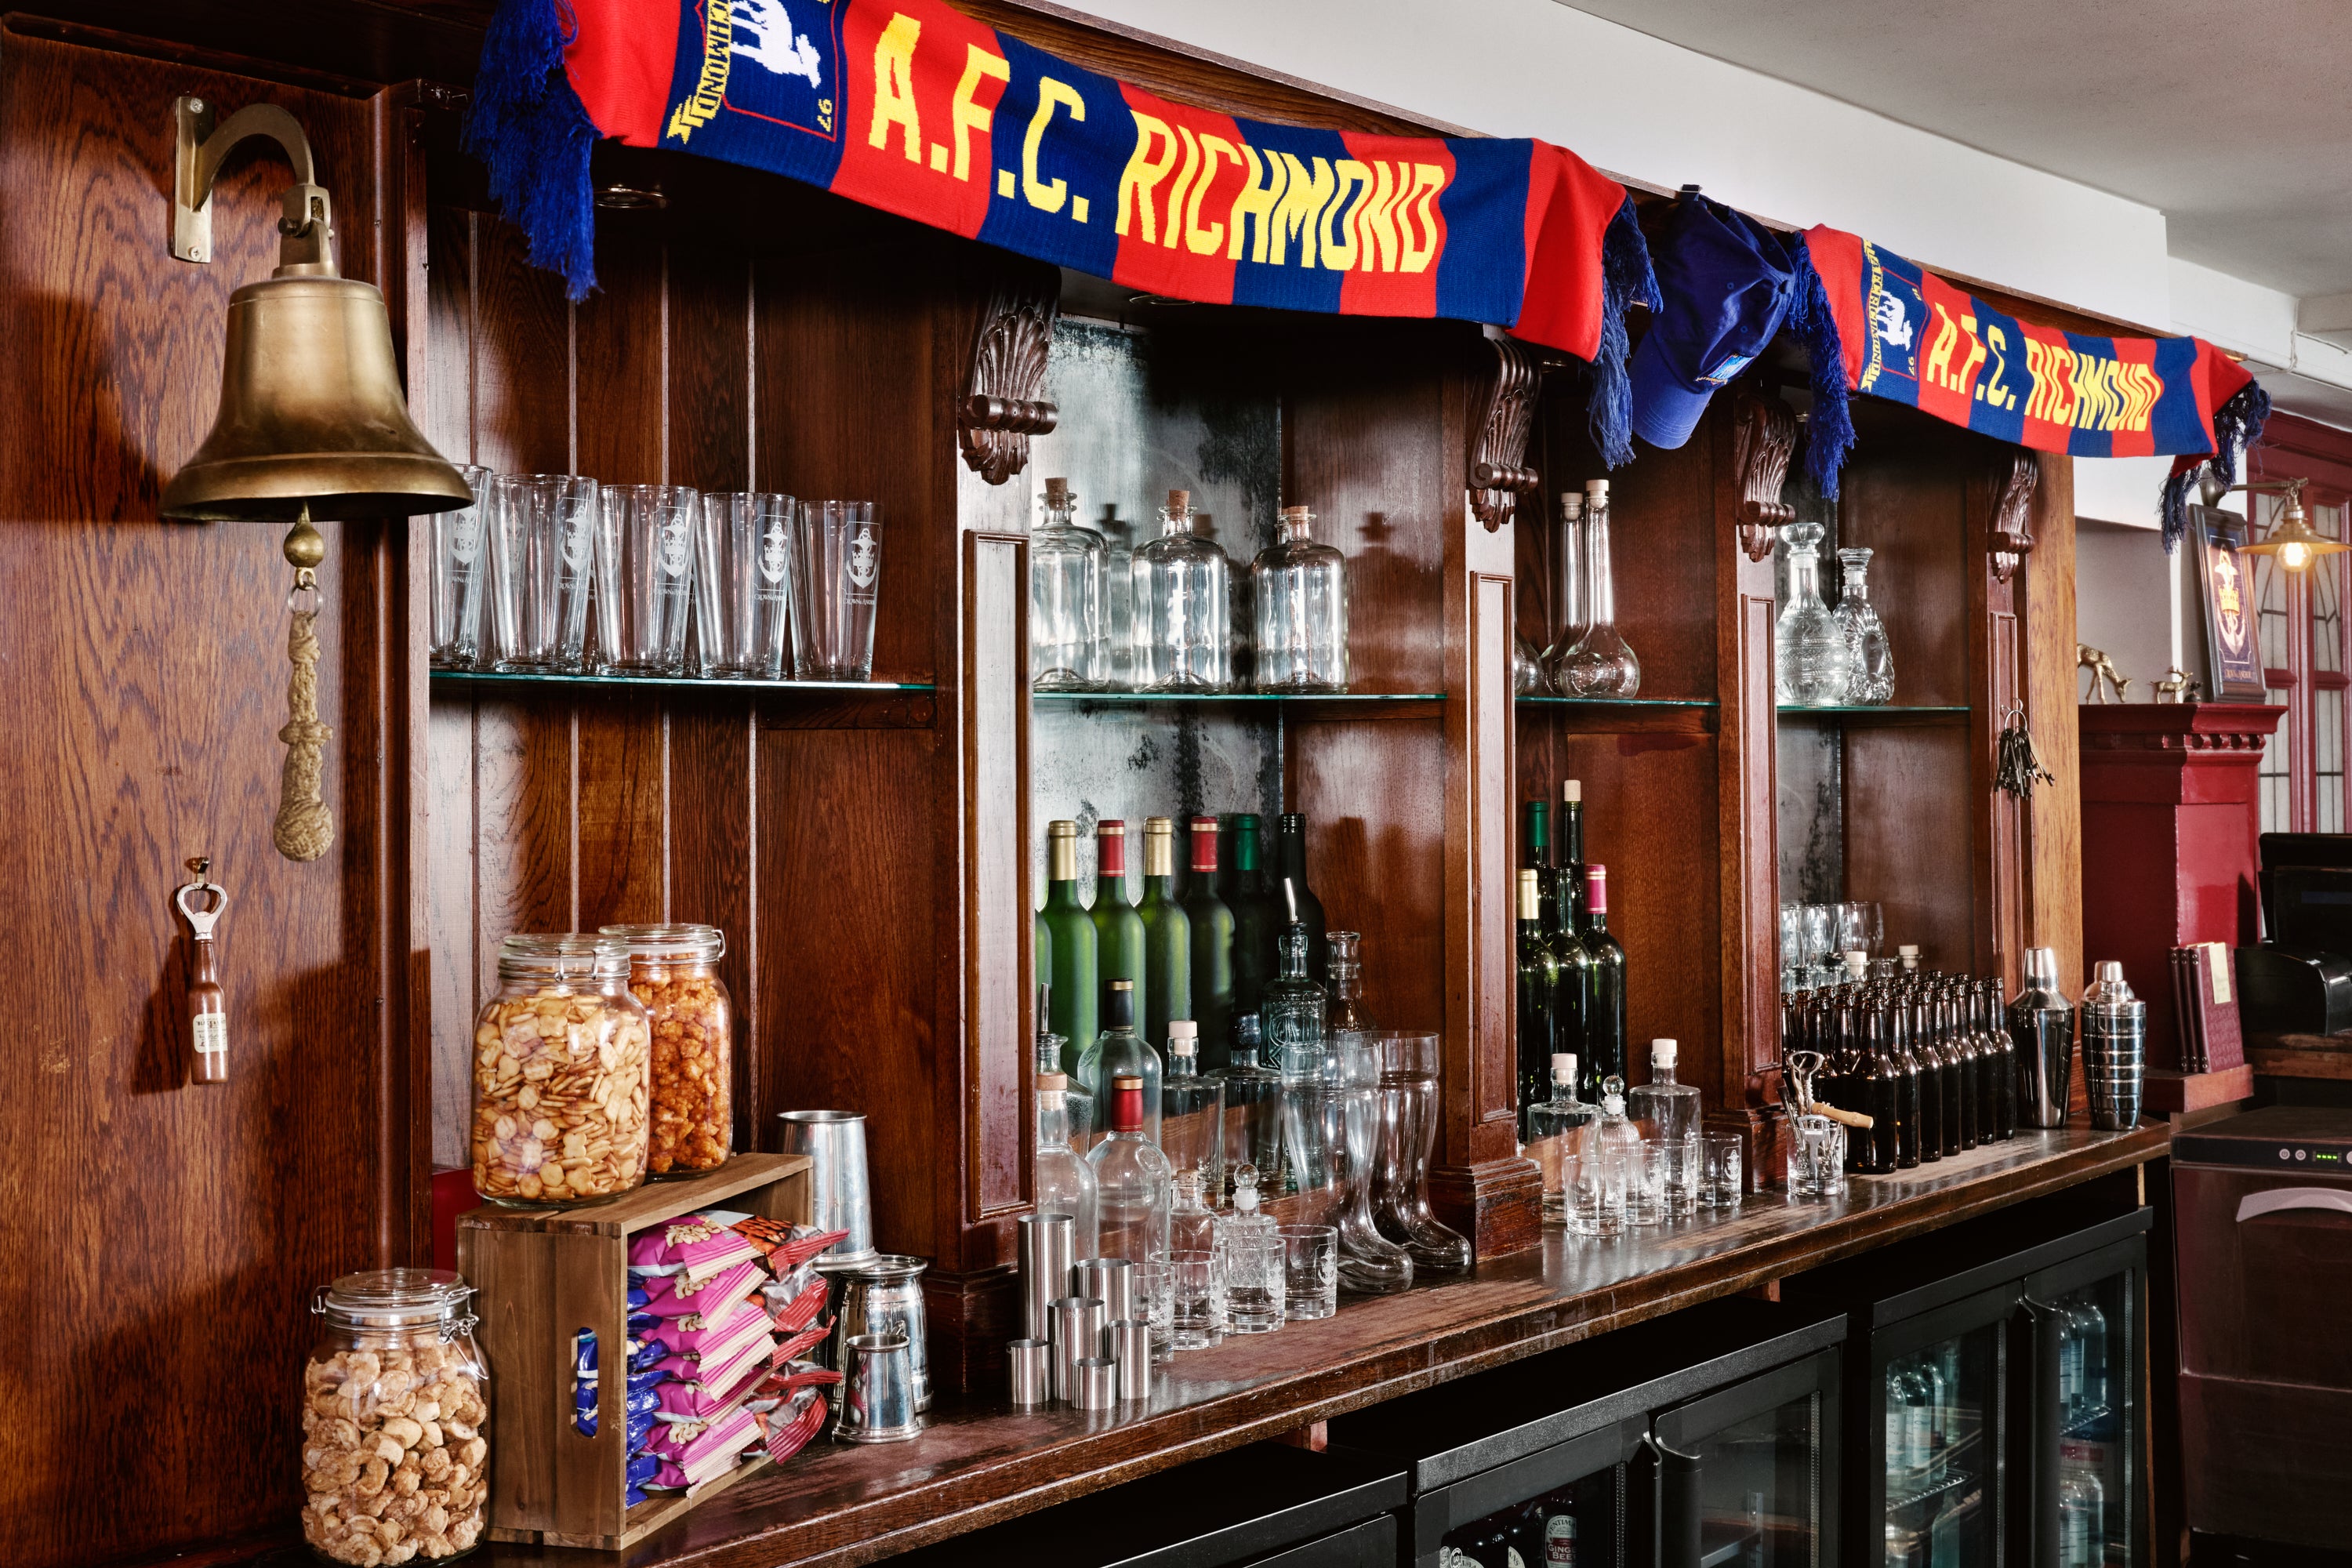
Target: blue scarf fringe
[
  {"x": 1829, "y": 432},
  {"x": 1626, "y": 277},
  {"x": 2237, "y": 425},
  {"x": 530, "y": 128}
]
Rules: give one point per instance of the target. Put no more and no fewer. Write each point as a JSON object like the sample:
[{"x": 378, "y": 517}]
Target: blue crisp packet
[
  {"x": 638, "y": 1296},
  {"x": 643, "y": 1353}
]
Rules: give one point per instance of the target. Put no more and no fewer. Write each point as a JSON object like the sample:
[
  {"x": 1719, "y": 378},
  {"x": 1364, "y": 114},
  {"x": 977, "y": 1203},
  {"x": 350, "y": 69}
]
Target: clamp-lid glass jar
[
  {"x": 396, "y": 1420},
  {"x": 674, "y": 972},
  {"x": 563, "y": 1074}
]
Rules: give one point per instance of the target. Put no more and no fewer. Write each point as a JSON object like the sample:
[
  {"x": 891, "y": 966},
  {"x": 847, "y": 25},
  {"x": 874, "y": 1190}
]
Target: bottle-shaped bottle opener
[{"x": 201, "y": 903}]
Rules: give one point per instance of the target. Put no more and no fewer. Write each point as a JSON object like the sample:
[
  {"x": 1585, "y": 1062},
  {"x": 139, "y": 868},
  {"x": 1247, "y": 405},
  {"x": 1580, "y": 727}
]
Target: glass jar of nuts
[
  {"x": 562, "y": 1075},
  {"x": 673, "y": 971},
  {"x": 396, "y": 1420}
]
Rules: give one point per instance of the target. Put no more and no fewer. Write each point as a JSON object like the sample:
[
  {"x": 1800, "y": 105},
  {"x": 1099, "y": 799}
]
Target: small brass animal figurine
[
  {"x": 2103, "y": 670},
  {"x": 2179, "y": 686}
]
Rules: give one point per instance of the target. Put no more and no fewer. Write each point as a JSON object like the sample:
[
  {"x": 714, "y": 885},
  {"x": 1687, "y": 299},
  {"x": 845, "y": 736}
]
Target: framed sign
[{"x": 2225, "y": 578}]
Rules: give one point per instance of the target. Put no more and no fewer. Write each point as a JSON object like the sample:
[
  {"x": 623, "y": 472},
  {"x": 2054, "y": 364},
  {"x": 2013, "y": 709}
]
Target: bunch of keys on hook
[{"x": 201, "y": 903}]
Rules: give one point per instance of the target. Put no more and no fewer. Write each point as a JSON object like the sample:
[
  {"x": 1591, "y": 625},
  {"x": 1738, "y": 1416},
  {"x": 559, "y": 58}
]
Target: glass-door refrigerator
[
  {"x": 1702, "y": 1440},
  {"x": 1992, "y": 1392}
]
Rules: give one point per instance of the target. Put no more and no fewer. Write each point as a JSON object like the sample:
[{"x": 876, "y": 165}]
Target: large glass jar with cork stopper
[
  {"x": 1183, "y": 607},
  {"x": 1301, "y": 588},
  {"x": 1069, "y": 637},
  {"x": 674, "y": 972},
  {"x": 562, "y": 1075}
]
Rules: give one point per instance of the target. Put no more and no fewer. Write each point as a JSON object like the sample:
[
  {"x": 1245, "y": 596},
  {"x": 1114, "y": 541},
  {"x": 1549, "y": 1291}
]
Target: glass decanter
[
  {"x": 1528, "y": 678},
  {"x": 1370, "y": 1263},
  {"x": 1668, "y": 1112},
  {"x": 1252, "y": 1108},
  {"x": 1807, "y": 645},
  {"x": 1870, "y": 663},
  {"x": 1250, "y": 1248},
  {"x": 1555, "y": 1132},
  {"x": 1601, "y": 664},
  {"x": 1197, "y": 1314},
  {"x": 1617, "y": 1137},
  {"x": 1183, "y": 607},
  {"x": 1065, "y": 1184},
  {"x": 1301, "y": 588},
  {"x": 1069, "y": 635},
  {"x": 1291, "y": 1012},
  {"x": 1134, "y": 1191},
  {"x": 1191, "y": 1111},
  {"x": 1567, "y": 591}
]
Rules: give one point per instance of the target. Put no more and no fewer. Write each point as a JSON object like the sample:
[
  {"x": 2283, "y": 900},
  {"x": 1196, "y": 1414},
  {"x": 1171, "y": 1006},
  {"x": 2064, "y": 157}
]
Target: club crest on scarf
[{"x": 776, "y": 61}]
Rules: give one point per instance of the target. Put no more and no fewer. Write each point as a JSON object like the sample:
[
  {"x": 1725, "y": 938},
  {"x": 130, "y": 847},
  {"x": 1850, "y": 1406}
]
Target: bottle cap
[
  {"x": 1597, "y": 489},
  {"x": 1908, "y": 950},
  {"x": 2109, "y": 970},
  {"x": 1122, "y": 984},
  {"x": 1572, "y": 791},
  {"x": 1662, "y": 1053},
  {"x": 1061, "y": 827},
  {"x": 1614, "y": 1104},
  {"x": 1114, "y": 827},
  {"x": 1246, "y": 1188},
  {"x": 1183, "y": 1029},
  {"x": 1572, "y": 503},
  {"x": 1058, "y": 492},
  {"x": 1126, "y": 1103},
  {"x": 1596, "y": 889},
  {"x": 1563, "y": 1066}
]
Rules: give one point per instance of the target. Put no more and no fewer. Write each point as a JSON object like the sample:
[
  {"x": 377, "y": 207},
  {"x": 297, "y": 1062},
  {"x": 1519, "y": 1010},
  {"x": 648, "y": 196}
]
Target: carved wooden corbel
[
  {"x": 1763, "y": 437},
  {"x": 1008, "y": 373},
  {"x": 2010, "y": 537},
  {"x": 1498, "y": 474}
]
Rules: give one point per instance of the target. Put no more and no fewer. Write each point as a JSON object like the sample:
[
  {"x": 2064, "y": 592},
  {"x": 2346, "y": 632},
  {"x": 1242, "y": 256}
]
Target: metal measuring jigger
[
  {"x": 1111, "y": 1278},
  {"x": 1077, "y": 1326},
  {"x": 840, "y": 1196},
  {"x": 1031, "y": 1364},
  {"x": 1130, "y": 1347},
  {"x": 877, "y": 1392},
  {"x": 1097, "y": 1380},
  {"x": 1043, "y": 1242}
]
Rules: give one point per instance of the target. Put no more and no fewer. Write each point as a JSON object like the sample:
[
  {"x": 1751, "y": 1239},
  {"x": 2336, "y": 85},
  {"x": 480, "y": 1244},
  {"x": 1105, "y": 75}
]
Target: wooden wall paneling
[
  {"x": 2053, "y": 822},
  {"x": 1996, "y": 659},
  {"x": 1373, "y": 792},
  {"x": 164, "y": 1233},
  {"x": 1913, "y": 834},
  {"x": 1902, "y": 495}
]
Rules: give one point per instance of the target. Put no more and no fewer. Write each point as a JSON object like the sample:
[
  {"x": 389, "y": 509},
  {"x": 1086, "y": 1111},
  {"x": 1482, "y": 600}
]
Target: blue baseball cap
[{"x": 1727, "y": 283}]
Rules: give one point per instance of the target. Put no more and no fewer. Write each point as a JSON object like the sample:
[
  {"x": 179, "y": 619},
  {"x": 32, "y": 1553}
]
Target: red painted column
[{"x": 2170, "y": 815}]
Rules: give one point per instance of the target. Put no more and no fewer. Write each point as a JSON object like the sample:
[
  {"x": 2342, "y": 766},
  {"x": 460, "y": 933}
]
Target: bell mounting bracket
[{"x": 306, "y": 230}]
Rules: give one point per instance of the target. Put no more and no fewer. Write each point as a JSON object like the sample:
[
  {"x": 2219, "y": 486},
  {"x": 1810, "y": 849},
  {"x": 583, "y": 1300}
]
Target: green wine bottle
[
  {"x": 1119, "y": 930},
  {"x": 1536, "y": 857},
  {"x": 1167, "y": 933},
  {"x": 1259, "y": 921},
  {"x": 1604, "y": 1009},
  {"x": 1069, "y": 947},
  {"x": 1539, "y": 992},
  {"x": 1568, "y": 856},
  {"x": 1292, "y": 896},
  {"x": 1212, "y": 949}
]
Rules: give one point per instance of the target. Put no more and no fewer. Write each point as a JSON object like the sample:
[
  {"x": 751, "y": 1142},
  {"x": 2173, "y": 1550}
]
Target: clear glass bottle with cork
[
  {"x": 1301, "y": 588},
  {"x": 1602, "y": 663},
  {"x": 1183, "y": 607},
  {"x": 1069, "y": 636}
]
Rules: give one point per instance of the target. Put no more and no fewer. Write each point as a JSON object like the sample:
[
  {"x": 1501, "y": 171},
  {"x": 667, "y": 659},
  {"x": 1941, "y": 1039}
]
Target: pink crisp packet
[
  {"x": 714, "y": 1392},
  {"x": 693, "y": 1451},
  {"x": 697, "y": 1247},
  {"x": 682, "y": 1339},
  {"x": 675, "y": 1297}
]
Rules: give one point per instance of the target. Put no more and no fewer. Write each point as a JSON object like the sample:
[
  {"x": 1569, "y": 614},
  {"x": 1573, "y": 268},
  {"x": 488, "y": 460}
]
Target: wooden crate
[{"x": 547, "y": 1275}]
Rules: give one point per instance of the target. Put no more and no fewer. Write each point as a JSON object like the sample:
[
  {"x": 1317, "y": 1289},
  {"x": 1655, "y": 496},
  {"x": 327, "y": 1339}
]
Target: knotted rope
[{"x": 305, "y": 827}]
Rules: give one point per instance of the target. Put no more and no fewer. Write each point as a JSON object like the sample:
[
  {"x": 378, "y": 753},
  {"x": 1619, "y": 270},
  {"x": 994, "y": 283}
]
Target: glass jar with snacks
[
  {"x": 562, "y": 1075},
  {"x": 396, "y": 1420},
  {"x": 673, "y": 971}
]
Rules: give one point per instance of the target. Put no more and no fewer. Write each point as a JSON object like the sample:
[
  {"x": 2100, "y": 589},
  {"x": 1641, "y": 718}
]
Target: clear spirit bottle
[
  {"x": 1870, "y": 663},
  {"x": 1251, "y": 1251},
  {"x": 1065, "y": 1184},
  {"x": 1556, "y": 1128},
  {"x": 1668, "y": 1111},
  {"x": 1183, "y": 607},
  {"x": 1809, "y": 645},
  {"x": 1166, "y": 934},
  {"x": 1253, "y": 1100},
  {"x": 1069, "y": 636},
  {"x": 1292, "y": 1015},
  {"x": 1197, "y": 1310},
  {"x": 1301, "y": 589},
  {"x": 1569, "y": 607},
  {"x": 1192, "y": 1111},
  {"x": 1119, "y": 1052},
  {"x": 1134, "y": 1191},
  {"x": 1602, "y": 664}
]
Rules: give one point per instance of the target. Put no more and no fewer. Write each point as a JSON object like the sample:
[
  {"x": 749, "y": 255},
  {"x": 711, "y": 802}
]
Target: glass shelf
[
  {"x": 688, "y": 683},
  {"x": 1628, "y": 702},
  {"x": 1870, "y": 710},
  {"x": 1131, "y": 698}
]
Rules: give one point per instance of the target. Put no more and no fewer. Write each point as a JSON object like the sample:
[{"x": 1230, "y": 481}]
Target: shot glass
[
  {"x": 742, "y": 583},
  {"x": 459, "y": 575},
  {"x": 1311, "y": 1271},
  {"x": 1596, "y": 1190},
  {"x": 542, "y": 546},
  {"x": 836, "y": 572},
  {"x": 645, "y": 577},
  {"x": 1719, "y": 1180},
  {"x": 1197, "y": 1301}
]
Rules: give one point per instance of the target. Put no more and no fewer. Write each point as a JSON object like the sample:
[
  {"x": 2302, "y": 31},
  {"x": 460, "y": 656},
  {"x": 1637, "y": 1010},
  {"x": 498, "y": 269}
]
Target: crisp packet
[
  {"x": 693, "y": 1248},
  {"x": 673, "y": 1297},
  {"x": 702, "y": 1398},
  {"x": 695, "y": 1451},
  {"x": 784, "y": 1245},
  {"x": 750, "y": 1350},
  {"x": 714, "y": 1334},
  {"x": 638, "y": 1426},
  {"x": 792, "y": 1310},
  {"x": 788, "y": 1427},
  {"x": 642, "y": 1468},
  {"x": 643, "y": 1352}
]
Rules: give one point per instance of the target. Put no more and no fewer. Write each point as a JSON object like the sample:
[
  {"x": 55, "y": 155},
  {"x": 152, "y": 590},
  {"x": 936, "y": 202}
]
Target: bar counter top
[{"x": 981, "y": 1460}]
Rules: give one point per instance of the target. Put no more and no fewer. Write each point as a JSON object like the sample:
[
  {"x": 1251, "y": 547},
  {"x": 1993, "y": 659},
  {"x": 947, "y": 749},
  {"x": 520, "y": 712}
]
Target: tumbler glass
[
  {"x": 645, "y": 577},
  {"x": 1311, "y": 1271},
  {"x": 459, "y": 573},
  {"x": 1646, "y": 1182},
  {"x": 1155, "y": 1287},
  {"x": 836, "y": 568},
  {"x": 744, "y": 583},
  {"x": 542, "y": 539},
  {"x": 1719, "y": 1185},
  {"x": 1816, "y": 1158},
  {"x": 1596, "y": 1193},
  {"x": 1197, "y": 1309}
]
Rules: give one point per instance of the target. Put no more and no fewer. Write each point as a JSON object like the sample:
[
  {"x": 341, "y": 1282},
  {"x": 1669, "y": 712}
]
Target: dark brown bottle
[
  {"x": 1930, "y": 1058},
  {"x": 1962, "y": 1045},
  {"x": 1903, "y": 1050},
  {"x": 1878, "y": 1081},
  {"x": 2001, "y": 1059},
  {"x": 1947, "y": 1050}
]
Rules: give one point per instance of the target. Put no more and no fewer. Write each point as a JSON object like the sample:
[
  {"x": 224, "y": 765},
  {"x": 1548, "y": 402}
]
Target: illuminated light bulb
[{"x": 2294, "y": 555}]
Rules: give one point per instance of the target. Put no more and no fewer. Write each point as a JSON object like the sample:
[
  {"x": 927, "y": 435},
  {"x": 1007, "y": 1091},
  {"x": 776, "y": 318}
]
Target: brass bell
[{"x": 311, "y": 413}]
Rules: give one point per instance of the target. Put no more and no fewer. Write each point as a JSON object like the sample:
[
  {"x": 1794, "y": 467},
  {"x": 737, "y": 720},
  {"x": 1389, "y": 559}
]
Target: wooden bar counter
[{"x": 983, "y": 1462}]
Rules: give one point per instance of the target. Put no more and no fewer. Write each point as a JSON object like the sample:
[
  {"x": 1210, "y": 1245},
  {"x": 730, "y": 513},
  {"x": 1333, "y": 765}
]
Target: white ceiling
[{"x": 2232, "y": 119}]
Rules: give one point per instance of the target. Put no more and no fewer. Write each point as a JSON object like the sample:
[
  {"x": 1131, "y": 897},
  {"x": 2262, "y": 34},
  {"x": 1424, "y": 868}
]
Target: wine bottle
[
  {"x": 1257, "y": 920},
  {"x": 1535, "y": 856},
  {"x": 1537, "y": 992},
  {"x": 1070, "y": 931},
  {"x": 1119, "y": 930},
  {"x": 1119, "y": 1052},
  {"x": 1166, "y": 934},
  {"x": 1213, "y": 949},
  {"x": 1301, "y": 906},
  {"x": 1604, "y": 998},
  {"x": 1567, "y": 853}
]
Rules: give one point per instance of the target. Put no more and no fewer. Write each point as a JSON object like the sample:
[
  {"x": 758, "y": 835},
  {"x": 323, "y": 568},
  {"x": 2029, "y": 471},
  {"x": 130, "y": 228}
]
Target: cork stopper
[
  {"x": 1597, "y": 489},
  {"x": 1298, "y": 514},
  {"x": 1052, "y": 1082},
  {"x": 1572, "y": 791},
  {"x": 1180, "y": 502},
  {"x": 1572, "y": 504},
  {"x": 1058, "y": 492}
]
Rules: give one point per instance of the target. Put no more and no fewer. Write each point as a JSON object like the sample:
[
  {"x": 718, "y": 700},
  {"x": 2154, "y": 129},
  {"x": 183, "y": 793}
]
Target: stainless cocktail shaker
[
  {"x": 2041, "y": 1023},
  {"x": 2114, "y": 1049}
]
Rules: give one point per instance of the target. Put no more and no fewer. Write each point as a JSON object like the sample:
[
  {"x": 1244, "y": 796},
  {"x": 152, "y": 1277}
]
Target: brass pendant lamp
[{"x": 312, "y": 421}]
